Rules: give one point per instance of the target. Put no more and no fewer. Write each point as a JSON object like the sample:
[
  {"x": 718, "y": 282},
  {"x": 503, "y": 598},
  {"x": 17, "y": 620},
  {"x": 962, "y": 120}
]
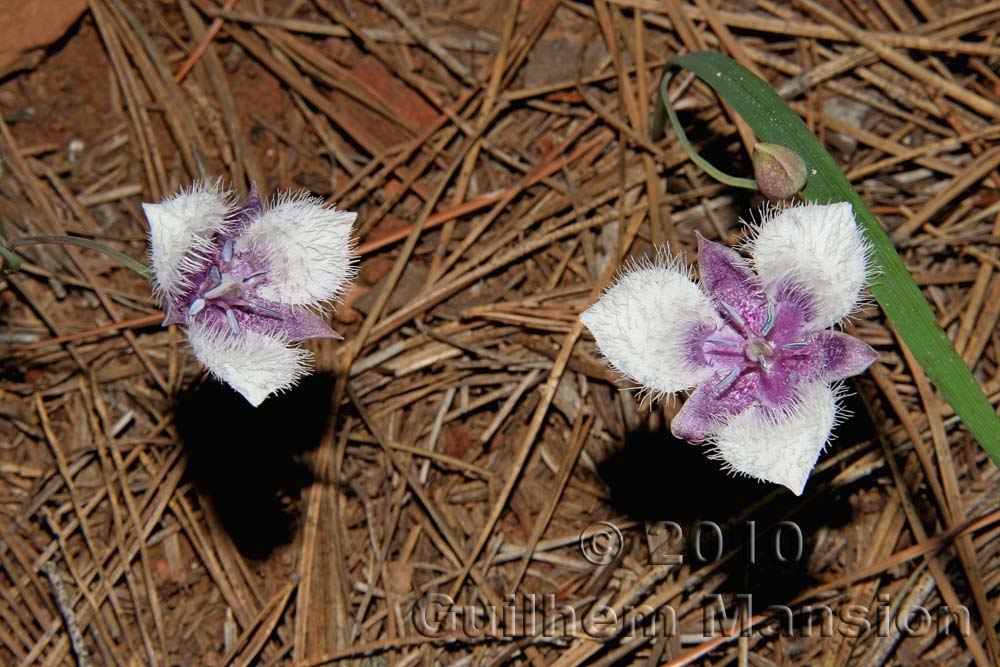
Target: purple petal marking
[
  {"x": 251, "y": 209},
  {"x": 797, "y": 295},
  {"x": 789, "y": 321},
  {"x": 174, "y": 314},
  {"x": 727, "y": 280},
  {"x": 695, "y": 347},
  {"x": 714, "y": 348},
  {"x": 719, "y": 349},
  {"x": 777, "y": 386},
  {"x": 709, "y": 405},
  {"x": 270, "y": 318},
  {"x": 802, "y": 360},
  {"x": 842, "y": 355},
  {"x": 302, "y": 324}
]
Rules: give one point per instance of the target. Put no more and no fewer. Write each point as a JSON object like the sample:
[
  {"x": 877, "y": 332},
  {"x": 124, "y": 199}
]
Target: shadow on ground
[
  {"x": 248, "y": 461},
  {"x": 661, "y": 480}
]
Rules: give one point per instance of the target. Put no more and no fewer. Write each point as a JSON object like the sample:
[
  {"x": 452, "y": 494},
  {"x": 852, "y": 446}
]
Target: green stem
[
  {"x": 663, "y": 104},
  {"x": 11, "y": 262},
  {"x": 124, "y": 259}
]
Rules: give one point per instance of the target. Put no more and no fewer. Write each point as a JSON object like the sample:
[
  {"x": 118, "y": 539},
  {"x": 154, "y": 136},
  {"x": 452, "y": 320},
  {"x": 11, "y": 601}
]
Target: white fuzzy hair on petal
[
  {"x": 644, "y": 321},
  {"x": 180, "y": 232},
  {"x": 309, "y": 249},
  {"x": 818, "y": 246},
  {"x": 780, "y": 447},
  {"x": 254, "y": 364}
]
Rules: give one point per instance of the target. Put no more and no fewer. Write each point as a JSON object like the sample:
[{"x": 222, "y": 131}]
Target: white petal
[
  {"x": 783, "y": 447},
  {"x": 252, "y": 363},
  {"x": 821, "y": 248},
  {"x": 309, "y": 249},
  {"x": 180, "y": 232},
  {"x": 643, "y": 325}
]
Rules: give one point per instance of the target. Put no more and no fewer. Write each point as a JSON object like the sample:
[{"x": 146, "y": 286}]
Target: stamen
[
  {"x": 256, "y": 274},
  {"x": 793, "y": 346},
  {"x": 727, "y": 381},
  {"x": 234, "y": 326},
  {"x": 227, "y": 286},
  {"x": 736, "y": 317},
  {"x": 227, "y": 251},
  {"x": 197, "y": 306},
  {"x": 719, "y": 341},
  {"x": 769, "y": 322},
  {"x": 215, "y": 275},
  {"x": 757, "y": 349}
]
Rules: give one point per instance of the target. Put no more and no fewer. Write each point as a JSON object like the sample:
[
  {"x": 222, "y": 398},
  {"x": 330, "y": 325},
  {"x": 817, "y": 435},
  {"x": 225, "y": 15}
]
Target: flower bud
[{"x": 780, "y": 171}]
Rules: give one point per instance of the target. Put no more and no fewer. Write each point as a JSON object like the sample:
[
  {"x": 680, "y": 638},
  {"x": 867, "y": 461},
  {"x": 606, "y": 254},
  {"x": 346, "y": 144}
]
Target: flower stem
[
  {"x": 14, "y": 262},
  {"x": 663, "y": 104}
]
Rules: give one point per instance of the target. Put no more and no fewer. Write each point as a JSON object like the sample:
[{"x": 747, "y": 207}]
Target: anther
[
  {"x": 727, "y": 381},
  {"x": 769, "y": 322},
  {"x": 234, "y": 326},
  {"x": 215, "y": 275},
  {"x": 255, "y": 274},
  {"x": 735, "y": 316},
  {"x": 793, "y": 346},
  {"x": 719, "y": 341},
  {"x": 227, "y": 251},
  {"x": 197, "y": 306}
]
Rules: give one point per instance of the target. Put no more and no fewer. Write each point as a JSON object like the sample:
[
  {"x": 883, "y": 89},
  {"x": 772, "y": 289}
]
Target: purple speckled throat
[
  {"x": 224, "y": 293},
  {"x": 764, "y": 349}
]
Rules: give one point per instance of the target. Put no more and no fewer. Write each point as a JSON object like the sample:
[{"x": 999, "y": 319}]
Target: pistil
[{"x": 758, "y": 349}]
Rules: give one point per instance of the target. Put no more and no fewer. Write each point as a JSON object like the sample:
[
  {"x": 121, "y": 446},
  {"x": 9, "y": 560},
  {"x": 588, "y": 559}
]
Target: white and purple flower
[
  {"x": 755, "y": 348},
  {"x": 244, "y": 280}
]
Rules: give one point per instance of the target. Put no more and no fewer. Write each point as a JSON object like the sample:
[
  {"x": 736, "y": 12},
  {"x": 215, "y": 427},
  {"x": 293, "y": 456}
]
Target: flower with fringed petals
[
  {"x": 752, "y": 343},
  {"x": 247, "y": 281}
]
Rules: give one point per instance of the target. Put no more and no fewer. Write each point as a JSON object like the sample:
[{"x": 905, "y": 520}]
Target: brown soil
[{"x": 459, "y": 456}]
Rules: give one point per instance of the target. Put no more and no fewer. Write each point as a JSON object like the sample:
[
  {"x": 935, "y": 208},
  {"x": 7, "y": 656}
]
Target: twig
[{"x": 69, "y": 616}]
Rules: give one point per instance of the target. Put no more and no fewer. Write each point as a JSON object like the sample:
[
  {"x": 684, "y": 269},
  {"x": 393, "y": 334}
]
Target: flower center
[
  {"x": 227, "y": 287},
  {"x": 758, "y": 349}
]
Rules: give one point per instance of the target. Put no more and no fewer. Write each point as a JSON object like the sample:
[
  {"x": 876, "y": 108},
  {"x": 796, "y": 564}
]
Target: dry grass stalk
[{"x": 467, "y": 432}]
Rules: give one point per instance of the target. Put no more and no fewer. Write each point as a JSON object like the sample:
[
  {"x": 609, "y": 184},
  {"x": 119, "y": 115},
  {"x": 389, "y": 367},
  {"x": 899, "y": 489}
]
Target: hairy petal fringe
[
  {"x": 309, "y": 248},
  {"x": 780, "y": 446},
  {"x": 181, "y": 228},
  {"x": 254, "y": 364},
  {"x": 643, "y": 324},
  {"x": 817, "y": 246}
]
